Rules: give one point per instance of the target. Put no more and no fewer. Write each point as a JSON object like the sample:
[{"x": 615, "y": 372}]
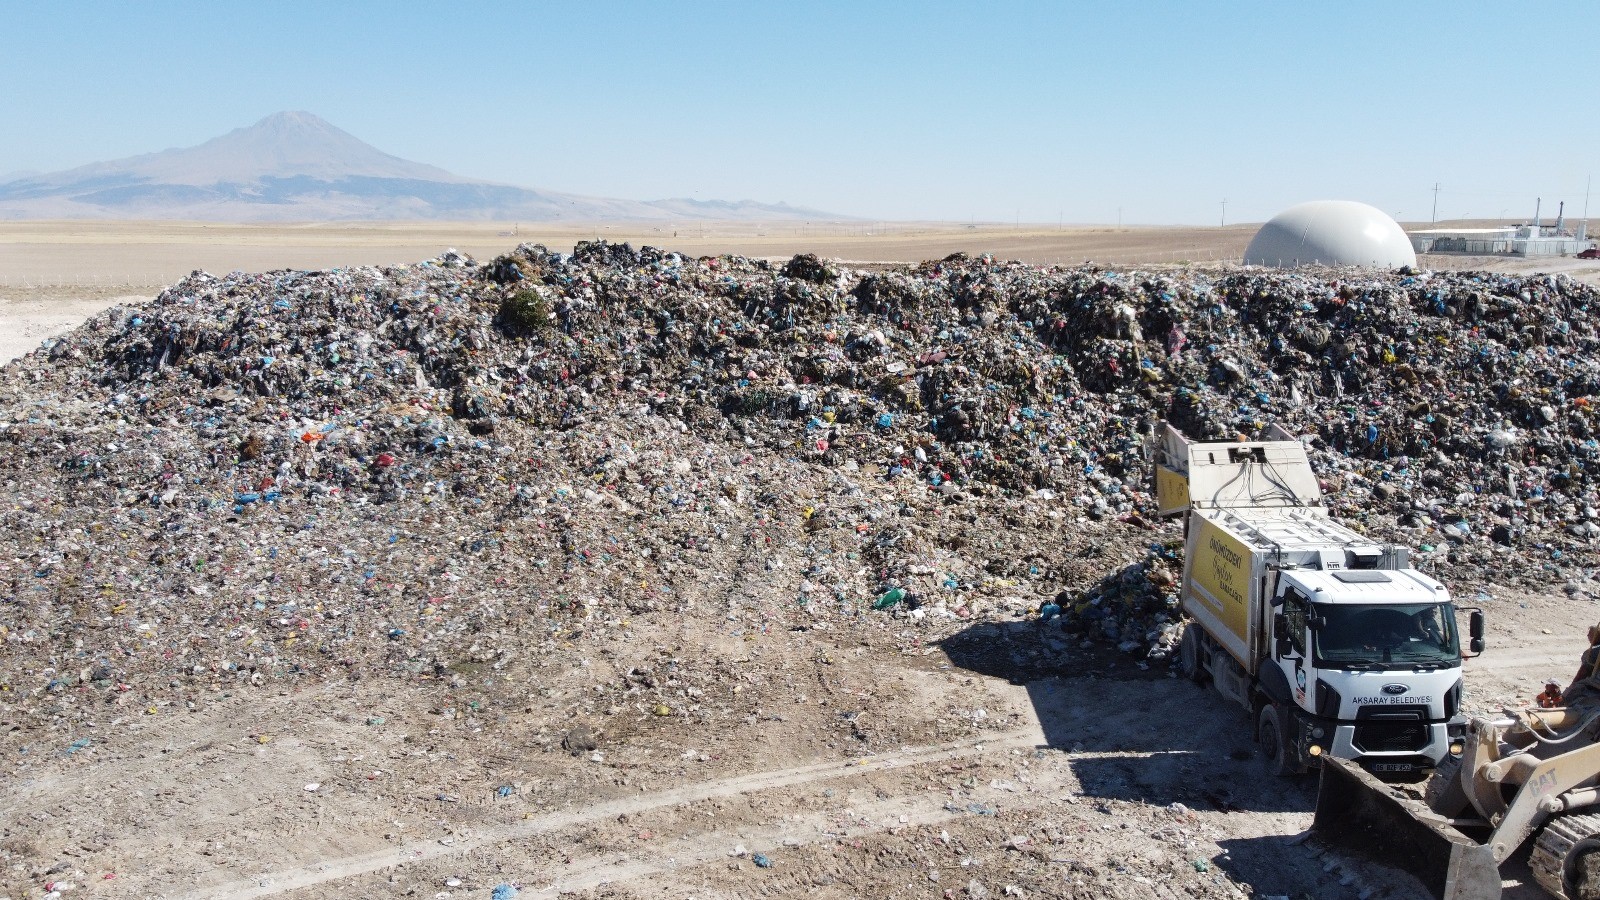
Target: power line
[{"x": 1535, "y": 191}]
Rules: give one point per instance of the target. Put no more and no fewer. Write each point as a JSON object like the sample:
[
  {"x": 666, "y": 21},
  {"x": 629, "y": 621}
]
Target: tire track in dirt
[
  {"x": 1562, "y": 655},
  {"x": 329, "y": 870},
  {"x": 908, "y": 810}
]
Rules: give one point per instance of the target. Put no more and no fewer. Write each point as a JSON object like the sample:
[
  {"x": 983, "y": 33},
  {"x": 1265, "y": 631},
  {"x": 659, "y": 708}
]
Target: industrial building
[{"x": 1533, "y": 239}]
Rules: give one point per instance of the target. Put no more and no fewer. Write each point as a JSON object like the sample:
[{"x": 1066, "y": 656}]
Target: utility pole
[
  {"x": 1224, "y": 213},
  {"x": 1436, "y": 201},
  {"x": 1584, "y": 228}
]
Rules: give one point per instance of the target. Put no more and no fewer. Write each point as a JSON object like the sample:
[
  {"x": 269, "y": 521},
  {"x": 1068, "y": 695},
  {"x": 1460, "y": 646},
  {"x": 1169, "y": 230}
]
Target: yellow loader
[{"x": 1533, "y": 773}]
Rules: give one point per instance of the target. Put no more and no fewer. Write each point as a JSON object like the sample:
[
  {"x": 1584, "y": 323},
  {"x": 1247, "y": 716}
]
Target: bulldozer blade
[{"x": 1361, "y": 815}]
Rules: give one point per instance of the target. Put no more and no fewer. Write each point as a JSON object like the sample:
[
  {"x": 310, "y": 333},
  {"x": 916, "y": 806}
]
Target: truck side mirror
[
  {"x": 1475, "y": 628},
  {"x": 1280, "y": 628}
]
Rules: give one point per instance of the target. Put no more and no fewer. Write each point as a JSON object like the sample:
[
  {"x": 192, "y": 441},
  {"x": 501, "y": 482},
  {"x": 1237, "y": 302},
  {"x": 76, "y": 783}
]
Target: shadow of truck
[
  {"x": 1144, "y": 736},
  {"x": 1130, "y": 733}
]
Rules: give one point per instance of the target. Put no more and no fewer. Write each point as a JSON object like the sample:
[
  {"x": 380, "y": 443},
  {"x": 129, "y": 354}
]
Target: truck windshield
[{"x": 1360, "y": 634}]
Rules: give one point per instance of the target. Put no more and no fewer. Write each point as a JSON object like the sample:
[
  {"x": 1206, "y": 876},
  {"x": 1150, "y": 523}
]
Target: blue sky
[{"x": 953, "y": 111}]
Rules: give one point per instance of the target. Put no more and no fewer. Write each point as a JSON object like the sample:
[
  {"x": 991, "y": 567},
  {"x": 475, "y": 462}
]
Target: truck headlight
[
  {"x": 1457, "y": 748},
  {"x": 1314, "y": 750},
  {"x": 1316, "y": 731}
]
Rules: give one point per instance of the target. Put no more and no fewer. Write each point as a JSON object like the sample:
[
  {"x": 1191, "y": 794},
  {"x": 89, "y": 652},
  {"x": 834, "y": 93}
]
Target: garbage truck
[{"x": 1332, "y": 642}]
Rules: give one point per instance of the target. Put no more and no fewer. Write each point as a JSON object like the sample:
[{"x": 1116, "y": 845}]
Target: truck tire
[
  {"x": 1269, "y": 731},
  {"x": 1586, "y": 876},
  {"x": 1566, "y": 856},
  {"x": 1189, "y": 654}
]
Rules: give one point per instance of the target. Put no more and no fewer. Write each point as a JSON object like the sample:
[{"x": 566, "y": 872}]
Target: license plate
[{"x": 1393, "y": 767}]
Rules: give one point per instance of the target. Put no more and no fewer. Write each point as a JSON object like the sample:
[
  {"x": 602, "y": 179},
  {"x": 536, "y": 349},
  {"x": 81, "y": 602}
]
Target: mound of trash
[{"x": 425, "y": 471}]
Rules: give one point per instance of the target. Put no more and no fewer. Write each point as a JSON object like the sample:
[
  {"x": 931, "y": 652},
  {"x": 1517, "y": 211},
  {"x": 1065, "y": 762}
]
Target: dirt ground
[
  {"x": 821, "y": 762},
  {"x": 161, "y": 252},
  {"x": 30, "y": 315},
  {"x": 1007, "y": 762}
]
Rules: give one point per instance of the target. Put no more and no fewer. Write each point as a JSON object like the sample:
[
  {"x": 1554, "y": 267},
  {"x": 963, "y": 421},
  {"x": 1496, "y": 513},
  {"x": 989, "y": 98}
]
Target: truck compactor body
[{"x": 1331, "y": 641}]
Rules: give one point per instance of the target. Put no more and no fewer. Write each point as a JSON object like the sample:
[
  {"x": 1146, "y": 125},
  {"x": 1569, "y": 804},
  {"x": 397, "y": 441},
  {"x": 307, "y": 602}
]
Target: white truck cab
[{"x": 1372, "y": 658}]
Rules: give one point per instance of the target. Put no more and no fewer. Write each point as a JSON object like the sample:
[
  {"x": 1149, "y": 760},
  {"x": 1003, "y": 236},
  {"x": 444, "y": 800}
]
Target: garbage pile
[
  {"x": 1135, "y": 607},
  {"x": 414, "y": 471}
]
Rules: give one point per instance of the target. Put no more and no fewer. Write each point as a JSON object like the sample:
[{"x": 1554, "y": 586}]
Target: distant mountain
[{"x": 293, "y": 166}]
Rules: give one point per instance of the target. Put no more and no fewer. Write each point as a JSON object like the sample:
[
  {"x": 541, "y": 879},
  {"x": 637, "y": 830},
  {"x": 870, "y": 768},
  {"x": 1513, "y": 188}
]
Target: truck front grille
[
  {"x": 1390, "y": 730},
  {"x": 1391, "y": 737}
]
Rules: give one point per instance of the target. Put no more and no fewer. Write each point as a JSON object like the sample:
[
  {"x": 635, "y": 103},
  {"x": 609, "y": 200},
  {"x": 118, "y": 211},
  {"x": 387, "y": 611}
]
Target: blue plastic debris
[
  {"x": 762, "y": 861},
  {"x": 503, "y": 892}
]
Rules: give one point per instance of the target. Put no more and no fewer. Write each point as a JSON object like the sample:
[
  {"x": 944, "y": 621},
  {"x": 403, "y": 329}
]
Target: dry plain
[
  {"x": 55, "y": 274},
  {"x": 1103, "y": 780}
]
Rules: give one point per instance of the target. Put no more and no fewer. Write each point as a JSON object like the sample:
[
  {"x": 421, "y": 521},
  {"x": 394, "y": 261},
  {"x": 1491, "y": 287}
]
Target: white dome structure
[{"x": 1331, "y": 233}]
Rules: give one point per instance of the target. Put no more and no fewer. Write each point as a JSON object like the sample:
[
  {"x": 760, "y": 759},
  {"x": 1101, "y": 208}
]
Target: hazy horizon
[{"x": 1032, "y": 113}]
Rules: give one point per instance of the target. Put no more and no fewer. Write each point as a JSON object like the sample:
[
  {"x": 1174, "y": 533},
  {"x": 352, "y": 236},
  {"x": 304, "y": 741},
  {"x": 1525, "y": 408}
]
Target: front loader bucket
[{"x": 1360, "y": 814}]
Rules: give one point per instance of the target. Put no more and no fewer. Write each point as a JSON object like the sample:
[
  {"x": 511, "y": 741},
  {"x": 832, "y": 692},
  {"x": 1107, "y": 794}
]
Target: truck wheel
[
  {"x": 1189, "y": 654},
  {"x": 1269, "y": 731}
]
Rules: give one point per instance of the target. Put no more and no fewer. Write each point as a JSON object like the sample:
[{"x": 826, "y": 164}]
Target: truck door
[{"x": 1296, "y": 610}]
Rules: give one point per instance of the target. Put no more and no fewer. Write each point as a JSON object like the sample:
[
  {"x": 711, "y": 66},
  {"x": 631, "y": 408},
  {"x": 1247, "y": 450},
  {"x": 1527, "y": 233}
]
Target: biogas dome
[{"x": 1330, "y": 233}]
